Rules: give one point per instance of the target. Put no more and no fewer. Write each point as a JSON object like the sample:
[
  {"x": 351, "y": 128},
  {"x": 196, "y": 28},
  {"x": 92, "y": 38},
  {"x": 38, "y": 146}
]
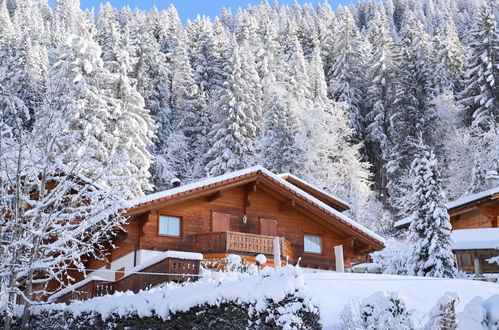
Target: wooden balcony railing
[{"x": 229, "y": 241}]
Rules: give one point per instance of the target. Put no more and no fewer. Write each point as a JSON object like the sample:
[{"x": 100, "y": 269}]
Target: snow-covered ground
[
  {"x": 329, "y": 291},
  {"x": 332, "y": 291}
]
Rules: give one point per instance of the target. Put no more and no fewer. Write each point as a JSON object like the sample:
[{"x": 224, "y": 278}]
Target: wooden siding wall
[
  {"x": 472, "y": 219},
  {"x": 196, "y": 218},
  {"x": 484, "y": 215}
]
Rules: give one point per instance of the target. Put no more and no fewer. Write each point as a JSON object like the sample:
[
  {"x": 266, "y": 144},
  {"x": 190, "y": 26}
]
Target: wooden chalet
[
  {"x": 474, "y": 219},
  {"x": 238, "y": 213}
]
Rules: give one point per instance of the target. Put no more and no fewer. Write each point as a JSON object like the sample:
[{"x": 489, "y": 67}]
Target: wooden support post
[
  {"x": 478, "y": 268},
  {"x": 338, "y": 254},
  {"x": 277, "y": 252}
]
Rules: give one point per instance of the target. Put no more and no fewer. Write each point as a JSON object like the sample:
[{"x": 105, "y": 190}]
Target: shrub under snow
[
  {"x": 272, "y": 299},
  {"x": 480, "y": 314},
  {"x": 394, "y": 258},
  {"x": 443, "y": 315},
  {"x": 381, "y": 310}
]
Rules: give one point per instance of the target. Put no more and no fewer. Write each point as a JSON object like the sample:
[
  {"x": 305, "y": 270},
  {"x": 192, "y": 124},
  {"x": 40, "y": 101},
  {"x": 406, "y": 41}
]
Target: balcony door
[
  {"x": 268, "y": 227},
  {"x": 220, "y": 222}
]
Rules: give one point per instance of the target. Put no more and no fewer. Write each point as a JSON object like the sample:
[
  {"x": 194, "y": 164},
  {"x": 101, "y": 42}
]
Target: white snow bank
[
  {"x": 480, "y": 238},
  {"x": 333, "y": 291},
  {"x": 76, "y": 286},
  {"x": 270, "y": 284}
]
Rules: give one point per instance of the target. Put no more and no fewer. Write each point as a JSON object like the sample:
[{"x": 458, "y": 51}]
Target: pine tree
[
  {"x": 188, "y": 107},
  {"x": 480, "y": 97},
  {"x": 449, "y": 58},
  {"x": 280, "y": 132},
  {"x": 345, "y": 83},
  {"x": 238, "y": 111},
  {"x": 380, "y": 94},
  {"x": 478, "y": 176},
  {"x": 412, "y": 112},
  {"x": 334, "y": 162},
  {"x": 102, "y": 110},
  {"x": 430, "y": 229}
]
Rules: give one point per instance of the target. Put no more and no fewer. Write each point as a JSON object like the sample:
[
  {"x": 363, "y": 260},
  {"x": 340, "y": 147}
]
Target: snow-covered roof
[
  {"x": 474, "y": 239},
  {"x": 255, "y": 169},
  {"x": 404, "y": 221},
  {"x": 472, "y": 198},
  {"x": 322, "y": 191},
  {"x": 461, "y": 201}
]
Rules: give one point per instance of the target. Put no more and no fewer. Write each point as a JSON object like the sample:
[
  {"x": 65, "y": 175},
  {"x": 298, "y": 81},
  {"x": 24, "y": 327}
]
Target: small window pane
[
  {"x": 169, "y": 226},
  {"x": 313, "y": 244}
]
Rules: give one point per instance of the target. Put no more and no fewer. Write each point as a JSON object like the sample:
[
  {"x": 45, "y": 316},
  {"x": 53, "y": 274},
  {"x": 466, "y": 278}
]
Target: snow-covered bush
[
  {"x": 394, "y": 258},
  {"x": 275, "y": 299},
  {"x": 443, "y": 315},
  {"x": 480, "y": 314},
  {"x": 387, "y": 311}
]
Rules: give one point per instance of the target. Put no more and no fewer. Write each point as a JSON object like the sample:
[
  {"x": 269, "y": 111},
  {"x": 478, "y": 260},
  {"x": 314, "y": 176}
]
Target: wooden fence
[{"x": 180, "y": 269}]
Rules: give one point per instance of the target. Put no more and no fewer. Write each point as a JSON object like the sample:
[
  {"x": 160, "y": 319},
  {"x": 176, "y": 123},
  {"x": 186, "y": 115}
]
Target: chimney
[
  {"x": 492, "y": 179},
  {"x": 175, "y": 182}
]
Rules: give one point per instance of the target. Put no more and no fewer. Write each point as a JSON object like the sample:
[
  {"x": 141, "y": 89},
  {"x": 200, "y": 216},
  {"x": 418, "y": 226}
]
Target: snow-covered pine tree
[
  {"x": 132, "y": 130},
  {"x": 189, "y": 111},
  {"x": 480, "y": 97},
  {"x": 68, "y": 19},
  {"x": 344, "y": 79},
  {"x": 95, "y": 103},
  {"x": 449, "y": 58},
  {"x": 478, "y": 176},
  {"x": 380, "y": 94},
  {"x": 334, "y": 162},
  {"x": 279, "y": 145},
  {"x": 238, "y": 111},
  {"x": 108, "y": 36},
  {"x": 412, "y": 112},
  {"x": 430, "y": 230},
  {"x": 207, "y": 55}
]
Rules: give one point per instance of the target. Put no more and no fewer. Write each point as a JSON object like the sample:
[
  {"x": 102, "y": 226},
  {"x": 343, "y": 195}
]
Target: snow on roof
[
  {"x": 209, "y": 181},
  {"x": 162, "y": 256},
  {"x": 471, "y": 198},
  {"x": 404, "y": 221},
  {"x": 322, "y": 191},
  {"x": 194, "y": 185},
  {"x": 463, "y": 200},
  {"x": 75, "y": 286},
  {"x": 473, "y": 239}
]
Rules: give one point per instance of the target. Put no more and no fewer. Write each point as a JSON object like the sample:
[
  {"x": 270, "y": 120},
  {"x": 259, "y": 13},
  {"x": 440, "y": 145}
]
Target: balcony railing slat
[{"x": 240, "y": 242}]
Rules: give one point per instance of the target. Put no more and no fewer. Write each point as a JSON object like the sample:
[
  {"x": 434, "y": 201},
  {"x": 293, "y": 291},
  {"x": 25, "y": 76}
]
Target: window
[
  {"x": 313, "y": 244},
  {"x": 169, "y": 226}
]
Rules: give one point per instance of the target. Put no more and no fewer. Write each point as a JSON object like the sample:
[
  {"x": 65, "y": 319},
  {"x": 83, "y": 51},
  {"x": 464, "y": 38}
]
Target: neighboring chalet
[
  {"x": 474, "y": 219},
  {"x": 237, "y": 213}
]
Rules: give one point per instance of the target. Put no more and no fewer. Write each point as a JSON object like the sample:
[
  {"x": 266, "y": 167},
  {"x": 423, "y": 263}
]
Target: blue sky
[{"x": 188, "y": 9}]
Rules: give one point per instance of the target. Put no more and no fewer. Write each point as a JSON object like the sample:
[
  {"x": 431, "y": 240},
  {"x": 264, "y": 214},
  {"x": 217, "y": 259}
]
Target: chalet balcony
[{"x": 244, "y": 243}]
